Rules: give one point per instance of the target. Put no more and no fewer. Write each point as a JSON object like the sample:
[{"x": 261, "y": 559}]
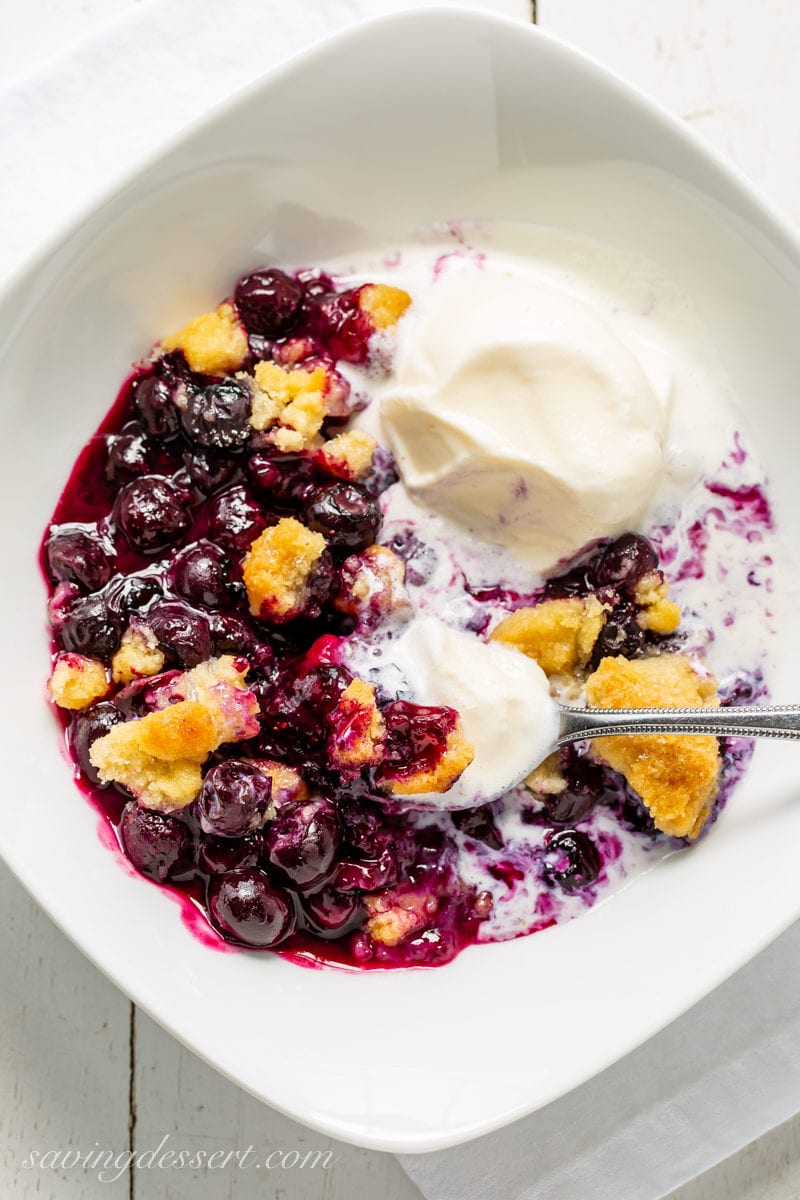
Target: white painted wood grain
[
  {"x": 64, "y": 1055},
  {"x": 729, "y": 67}
]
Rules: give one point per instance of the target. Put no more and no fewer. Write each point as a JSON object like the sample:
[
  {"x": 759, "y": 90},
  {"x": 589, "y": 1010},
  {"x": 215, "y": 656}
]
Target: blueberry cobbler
[{"x": 317, "y": 578}]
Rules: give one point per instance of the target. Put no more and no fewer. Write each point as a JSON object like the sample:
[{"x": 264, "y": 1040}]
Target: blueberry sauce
[{"x": 158, "y": 513}]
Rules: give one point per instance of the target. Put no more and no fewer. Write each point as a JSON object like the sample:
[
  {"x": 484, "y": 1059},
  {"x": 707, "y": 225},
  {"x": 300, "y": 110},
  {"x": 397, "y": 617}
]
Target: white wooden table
[{"x": 80, "y": 1068}]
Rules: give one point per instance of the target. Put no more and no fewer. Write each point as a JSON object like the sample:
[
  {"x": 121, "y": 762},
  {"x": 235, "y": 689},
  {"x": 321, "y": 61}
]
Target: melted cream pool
[{"x": 708, "y": 514}]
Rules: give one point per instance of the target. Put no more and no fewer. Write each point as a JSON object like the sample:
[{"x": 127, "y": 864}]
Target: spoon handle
[{"x": 749, "y": 721}]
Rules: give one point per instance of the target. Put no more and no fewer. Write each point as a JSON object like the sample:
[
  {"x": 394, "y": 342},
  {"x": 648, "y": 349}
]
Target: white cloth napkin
[{"x": 711, "y": 1082}]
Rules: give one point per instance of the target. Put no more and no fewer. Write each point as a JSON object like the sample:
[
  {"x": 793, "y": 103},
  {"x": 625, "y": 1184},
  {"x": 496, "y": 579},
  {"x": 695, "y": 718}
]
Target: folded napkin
[{"x": 714, "y": 1080}]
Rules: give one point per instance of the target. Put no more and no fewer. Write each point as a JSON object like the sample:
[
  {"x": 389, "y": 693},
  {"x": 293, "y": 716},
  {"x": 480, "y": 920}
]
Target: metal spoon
[{"x": 748, "y": 721}]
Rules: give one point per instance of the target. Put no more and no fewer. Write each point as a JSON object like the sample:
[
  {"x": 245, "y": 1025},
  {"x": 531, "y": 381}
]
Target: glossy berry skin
[
  {"x": 158, "y": 845},
  {"x": 577, "y": 860},
  {"x": 287, "y": 479},
  {"x": 586, "y": 787},
  {"x": 246, "y": 907},
  {"x": 625, "y": 561},
  {"x": 89, "y": 627},
  {"x": 208, "y": 470},
  {"x": 344, "y": 514},
  {"x": 621, "y": 634},
  {"x": 85, "y": 728},
  {"x": 152, "y": 512},
  {"x": 268, "y": 301},
  {"x": 233, "y": 635},
  {"x": 200, "y": 574},
  {"x": 217, "y": 417},
  {"x": 77, "y": 554},
  {"x": 235, "y": 520},
  {"x": 182, "y": 631},
  {"x": 155, "y": 404},
  {"x": 302, "y": 841},
  {"x": 233, "y": 800},
  {"x": 215, "y": 855},
  {"x": 130, "y": 595},
  {"x": 331, "y": 913},
  {"x": 129, "y": 454},
  {"x": 420, "y": 558}
]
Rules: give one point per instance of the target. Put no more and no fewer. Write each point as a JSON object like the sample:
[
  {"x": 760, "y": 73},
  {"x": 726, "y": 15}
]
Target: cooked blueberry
[
  {"x": 234, "y": 635},
  {"x": 245, "y": 907},
  {"x": 331, "y": 912},
  {"x": 182, "y": 631},
  {"x": 78, "y": 554},
  {"x": 234, "y": 799},
  {"x": 154, "y": 401},
  {"x": 153, "y": 512},
  {"x": 479, "y": 823},
  {"x": 268, "y": 301},
  {"x": 621, "y": 634},
  {"x": 348, "y": 518},
  {"x": 208, "y": 469},
  {"x": 573, "y": 860},
  {"x": 129, "y": 595},
  {"x": 624, "y": 562},
  {"x": 286, "y": 478},
  {"x": 366, "y": 875},
  {"x": 200, "y": 573},
  {"x": 158, "y": 845},
  {"x": 129, "y": 454},
  {"x": 217, "y": 417},
  {"x": 297, "y": 708},
  {"x": 89, "y": 627},
  {"x": 302, "y": 842},
  {"x": 215, "y": 855},
  {"x": 235, "y": 520},
  {"x": 85, "y": 728}
]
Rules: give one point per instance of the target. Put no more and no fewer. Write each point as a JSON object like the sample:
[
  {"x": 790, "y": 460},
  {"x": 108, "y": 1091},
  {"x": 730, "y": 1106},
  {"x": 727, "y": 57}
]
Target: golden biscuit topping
[
  {"x": 278, "y": 567},
  {"x": 76, "y": 681},
  {"x": 158, "y": 757},
  {"x": 348, "y": 456},
  {"x": 357, "y": 729},
  {"x": 675, "y": 776},
  {"x": 138, "y": 656},
  {"x": 290, "y": 402},
  {"x": 559, "y": 634},
  {"x": 383, "y": 304},
  {"x": 457, "y": 756},
  {"x": 213, "y": 343},
  {"x": 395, "y": 914},
  {"x": 659, "y": 613}
]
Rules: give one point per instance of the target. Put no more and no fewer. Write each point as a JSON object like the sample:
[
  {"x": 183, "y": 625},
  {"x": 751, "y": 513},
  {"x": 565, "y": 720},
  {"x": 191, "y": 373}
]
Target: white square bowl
[{"x": 413, "y": 119}]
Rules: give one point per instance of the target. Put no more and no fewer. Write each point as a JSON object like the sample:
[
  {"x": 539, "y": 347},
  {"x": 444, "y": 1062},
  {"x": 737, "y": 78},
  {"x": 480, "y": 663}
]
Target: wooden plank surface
[{"x": 76, "y": 1071}]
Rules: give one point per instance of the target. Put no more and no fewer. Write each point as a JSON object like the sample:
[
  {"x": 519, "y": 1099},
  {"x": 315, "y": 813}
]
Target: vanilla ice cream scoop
[
  {"x": 502, "y": 697},
  {"x": 515, "y": 410}
]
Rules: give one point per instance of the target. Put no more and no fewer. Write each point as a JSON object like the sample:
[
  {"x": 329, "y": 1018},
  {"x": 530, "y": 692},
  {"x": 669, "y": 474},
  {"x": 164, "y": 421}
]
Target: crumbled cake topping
[
  {"x": 457, "y": 756},
  {"x": 278, "y": 567},
  {"x": 288, "y": 786},
  {"x": 76, "y": 681},
  {"x": 675, "y": 776},
  {"x": 348, "y": 456},
  {"x": 289, "y": 402},
  {"x": 213, "y": 343},
  {"x": 158, "y": 757},
  {"x": 357, "y": 729},
  {"x": 658, "y": 613},
  {"x": 547, "y": 779},
  {"x": 397, "y": 913},
  {"x": 138, "y": 656},
  {"x": 559, "y": 634},
  {"x": 383, "y": 304}
]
